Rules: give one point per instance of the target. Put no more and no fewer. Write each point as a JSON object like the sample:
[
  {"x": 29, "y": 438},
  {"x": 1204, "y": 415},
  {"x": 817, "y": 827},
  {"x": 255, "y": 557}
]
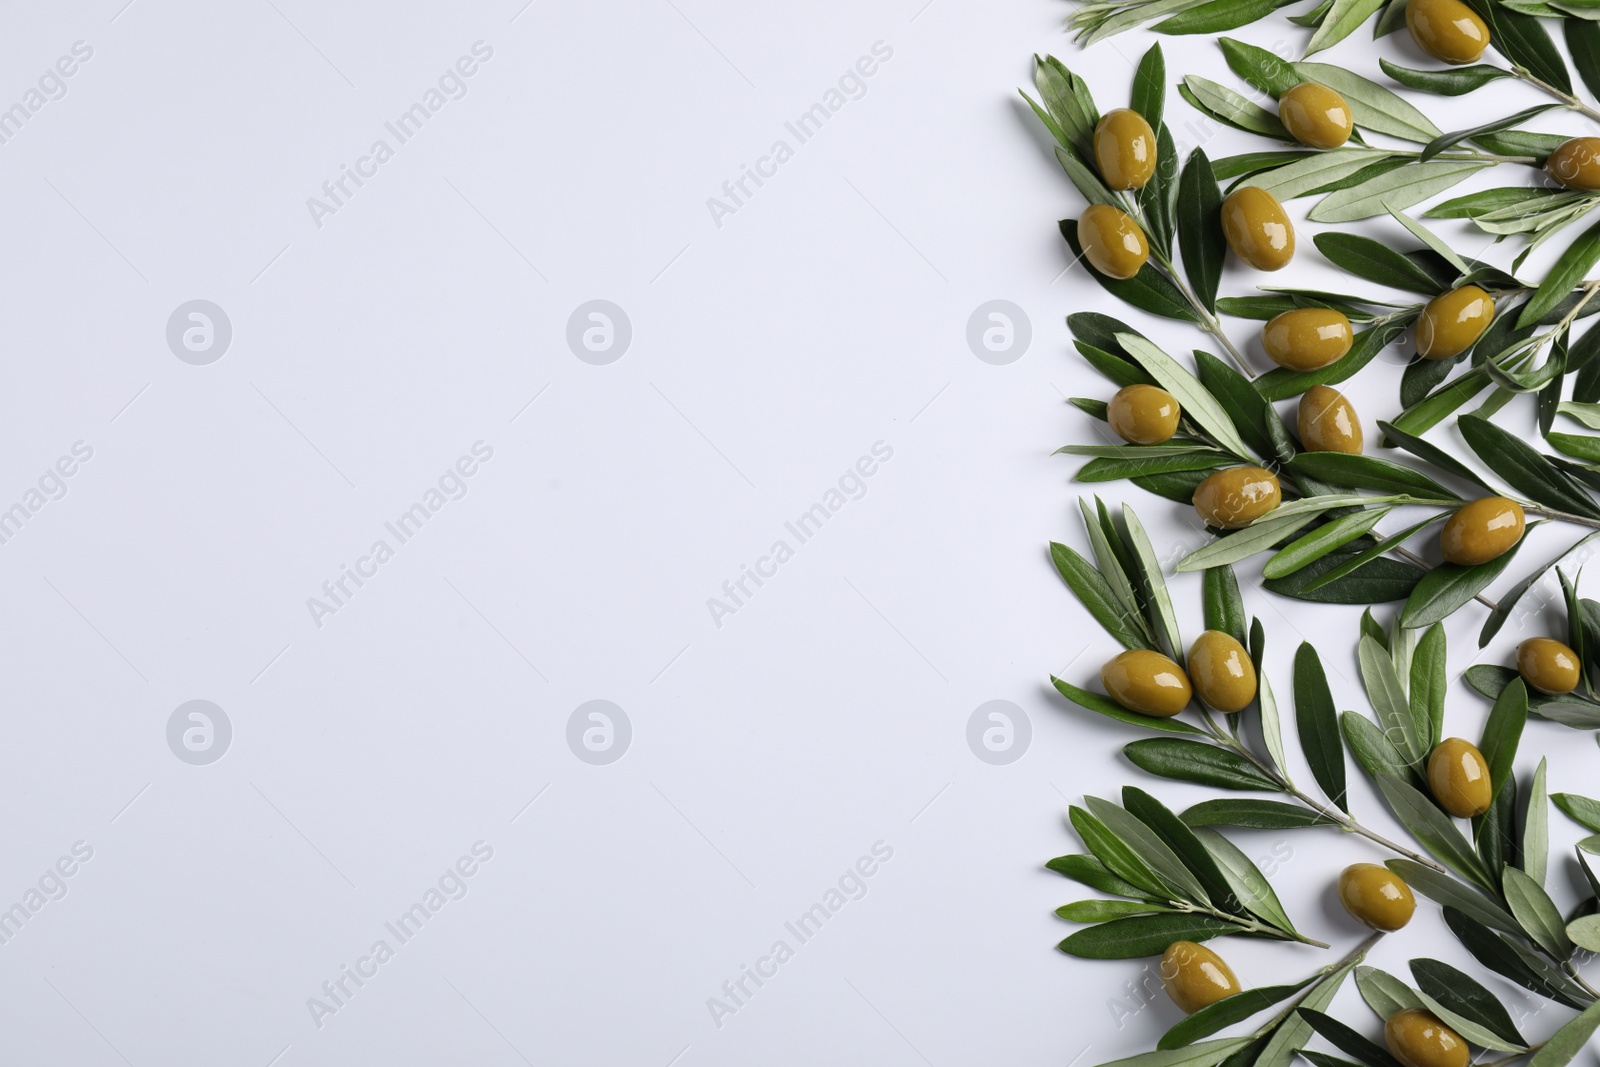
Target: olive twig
[
  {"x": 1355, "y": 955},
  {"x": 1567, "y": 99}
]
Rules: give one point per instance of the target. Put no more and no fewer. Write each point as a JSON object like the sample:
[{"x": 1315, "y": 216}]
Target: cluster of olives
[{"x": 1220, "y": 673}]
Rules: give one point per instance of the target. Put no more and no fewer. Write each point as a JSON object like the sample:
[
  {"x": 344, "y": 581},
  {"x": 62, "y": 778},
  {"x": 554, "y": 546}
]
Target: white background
[{"x": 768, "y": 354}]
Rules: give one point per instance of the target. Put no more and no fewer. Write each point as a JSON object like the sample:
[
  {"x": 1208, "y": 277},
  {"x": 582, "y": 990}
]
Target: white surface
[{"x": 768, "y": 354}]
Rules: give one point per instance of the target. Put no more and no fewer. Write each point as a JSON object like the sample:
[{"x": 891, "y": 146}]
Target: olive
[
  {"x": 1376, "y": 896},
  {"x": 1147, "y": 682},
  {"x": 1316, "y": 116},
  {"x": 1447, "y": 30},
  {"x": 1576, "y": 164},
  {"x": 1124, "y": 149},
  {"x": 1545, "y": 664},
  {"x": 1452, "y": 322},
  {"x": 1112, "y": 242},
  {"x": 1327, "y": 422},
  {"x": 1257, "y": 229},
  {"x": 1481, "y": 531},
  {"x": 1220, "y": 669},
  {"x": 1459, "y": 778},
  {"x": 1418, "y": 1039},
  {"x": 1307, "y": 338},
  {"x": 1236, "y": 496},
  {"x": 1195, "y": 977},
  {"x": 1143, "y": 414}
]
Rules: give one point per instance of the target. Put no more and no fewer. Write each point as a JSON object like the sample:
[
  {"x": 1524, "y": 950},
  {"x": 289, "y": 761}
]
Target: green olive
[
  {"x": 1316, "y": 116},
  {"x": 1147, "y": 682},
  {"x": 1481, "y": 531},
  {"x": 1576, "y": 164},
  {"x": 1459, "y": 778},
  {"x": 1112, "y": 242},
  {"x": 1376, "y": 896},
  {"x": 1307, "y": 338},
  {"x": 1447, "y": 30},
  {"x": 1143, "y": 414},
  {"x": 1236, "y": 496},
  {"x": 1195, "y": 977},
  {"x": 1452, "y": 322},
  {"x": 1222, "y": 673},
  {"x": 1327, "y": 422},
  {"x": 1547, "y": 665},
  {"x": 1418, "y": 1039},
  {"x": 1257, "y": 229},
  {"x": 1124, "y": 149}
]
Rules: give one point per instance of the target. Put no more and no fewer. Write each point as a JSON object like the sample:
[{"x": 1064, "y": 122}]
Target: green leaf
[
  {"x": 1266, "y": 703},
  {"x": 1242, "y": 544},
  {"x": 1524, "y": 468},
  {"x": 1318, "y": 724},
  {"x": 1118, "y": 857},
  {"x": 1450, "y": 140},
  {"x": 1099, "y": 911},
  {"x": 1225, "y": 105},
  {"x": 1352, "y": 576},
  {"x": 1374, "y": 107},
  {"x": 1155, "y": 853},
  {"x": 1376, "y": 262},
  {"x": 1150, "y": 86},
  {"x": 1103, "y": 705},
  {"x": 1178, "y": 836},
  {"x": 1569, "y": 269},
  {"x": 1372, "y": 747},
  {"x": 1259, "y": 67},
  {"x": 1387, "y": 695},
  {"x": 1218, "y": 15},
  {"x": 1536, "y": 828},
  {"x": 1254, "y": 814},
  {"x": 1433, "y": 454},
  {"x": 1114, "y": 562},
  {"x": 1452, "y": 81},
  {"x": 1195, "y": 761},
  {"x": 1223, "y": 606},
  {"x": 1448, "y": 586},
  {"x": 1097, "y": 596},
  {"x": 1432, "y": 240},
  {"x": 1434, "y": 829},
  {"x": 1162, "y": 615},
  {"x": 1568, "y": 1041},
  {"x": 1451, "y": 893},
  {"x": 1508, "y": 600},
  {"x": 1259, "y": 426},
  {"x": 1581, "y": 810},
  {"x": 1292, "y": 1034},
  {"x": 1226, "y": 1012},
  {"x": 1509, "y": 960},
  {"x": 1583, "y": 41},
  {"x": 1321, "y": 541},
  {"x": 1502, "y": 732},
  {"x": 1466, "y": 997},
  {"x": 1585, "y": 932},
  {"x": 1089, "y": 871},
  {"x": 1205, "y": 1054},
  {"x": 1384, "y": 993},
  {"x": 1341, "y": 21},
  {"x": 1250, "y": 887},
  {"x": 1400, "y": 188},
  {"x": 1579, "y": 446},
  {"x": 1197, "y": 403},
  {"x": 1067, "y": 100},
  {"x": 1523, "y": 40},
  {"x": 1140, "y": 935},
  {"x": 1355, "y": 471},
  {"x": 1429, "y": 677},
  {"x": 1148, "y": 290},
  {"x": 1200, "y": 237},
  {"x": 1348, "y": 1041},
  {"x": 1536, "y": 912}
]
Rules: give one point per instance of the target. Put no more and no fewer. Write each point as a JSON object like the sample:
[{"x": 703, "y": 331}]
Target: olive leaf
[
  {"x": 1448, "y": 586},
  {"x": 1218, "y": 15},
  {"x": 1450, "y": 140},
  {"x": 1570, "y": 268},
  {"x": 1348, "y": 1041},
  {"x": 1226, "y": 1012},
  {"x": 1341, "y": 21},
  {"x": 1452, "y": 81},
  {"x": 1581, "y": 810},
  {"x": 1199, "y": 225},
  {"x": 1318, "y": 725},
  {"x": 1261, "y": 68},
  {"x": 1568, "y": 1041},
  {"x": 1103, "y": 705},
  {"x": 1222, "y": 605},
  {"x": 1372, "y": 748},
  {"x": 1387, "y": 693},
  {"x": 1384, "y": 993},
  {"x": 1401, "y": 188},
  {"x": 1429, "y": 677},
  {"x": 1242, "y": 544},
  {"x": 1148, "y": 290},
  {"x": 1089, "y": 871},
  {"x": 1266, "y": 703},
  {"x": 1155, "y": 853},
  {"x": 1433, "y": 828},
  {"x": 1204, "y": 1054},
  {"x": 1374, "y": 107},
  {"x": 1098, "y": 596},
  {"x": 1254, "y": 814},
  {"x": 1502, "y": 732},
  {"x": 1536, "y": 912},
  {"x": 1140, "y": 935},
  {"x": 1099, "y": 911},
  {"x": 1377, "y": 262},
  {"x": 1585, "y": 932},
  {"x": 1467, "y": 998},
  {"x": 1451, "y": 893},
  {"x": 1504, "y": 957},
  {"x": 1195, "y": 761},
  {"x": 1196, "y": 402},
  {"x": 1352, "y": 471},
  {"x": 1321, "y": 541},
  {"x": 1227, "y": 106},
  {"x": 1250, "y": 887},
  {"x": 1536, "y": 828}
]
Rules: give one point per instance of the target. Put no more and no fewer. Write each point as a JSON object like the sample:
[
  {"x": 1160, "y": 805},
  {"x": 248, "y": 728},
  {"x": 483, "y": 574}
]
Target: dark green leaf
[
  {"x": 1097, "y": 596},
  {"x": 1369, "y": 472},
  {"x": 1580, "y": 809},
  {"x": 1583, "y": 41},
  {"x": 1327, "y": 538},
  {"x": 1421, "y": 377},
  {"x": 1429, "y": 677},
  {"x": 1502, "y": 732},
  {"x": 1112, "y": 710},
  {"x": 1345, "y": 577},
  {"x": 1226, "y": 1012},
  {"x": 1255, "y": 814},
  {"x": 1453, "y": 81},
  {"x": 1199, "y": 227},
  {"x": 1451, "y": 892},
  {"x": 1371, "y": 747},
  {"x": 1347, "y": 1040},
  {"x": 1569, "y": 269},
  {"x": 1099, "y": 911},
  {"x": 1376, "y": 262},
  {"x": 1223, "y": 606},
  {"x": 1318, "y": 724},
  {"x": 1140, "y": 935},
  {"x": 1089, "y": 871},
  {"x": 1523, "y": 40},
  {"x": 1500, "y": 956},
  {"x": 1448, "y": 586},
  {"x": 1177, "y": 836},
  {"x": 1434, "y": 829},
  {"x": 1433, "y": 454},
  {"x": 1259, "y": 67},
  {"x": 1218, "y": 15},
  {"x": 1450, "y": 140},
  {"x": 1150, "y": 86},
  {"x": 1508, "y": 600},
  {"x": 1195, "y": 761},
  {"x": 1466, "y": 997},
  {"x": 1119, "y": 857}
]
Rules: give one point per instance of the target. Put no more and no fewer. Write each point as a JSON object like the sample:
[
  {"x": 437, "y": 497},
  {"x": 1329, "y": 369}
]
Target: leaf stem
[
  {"x": 1355, "y": 954},
  {"x": 1566, "y": 98}
]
